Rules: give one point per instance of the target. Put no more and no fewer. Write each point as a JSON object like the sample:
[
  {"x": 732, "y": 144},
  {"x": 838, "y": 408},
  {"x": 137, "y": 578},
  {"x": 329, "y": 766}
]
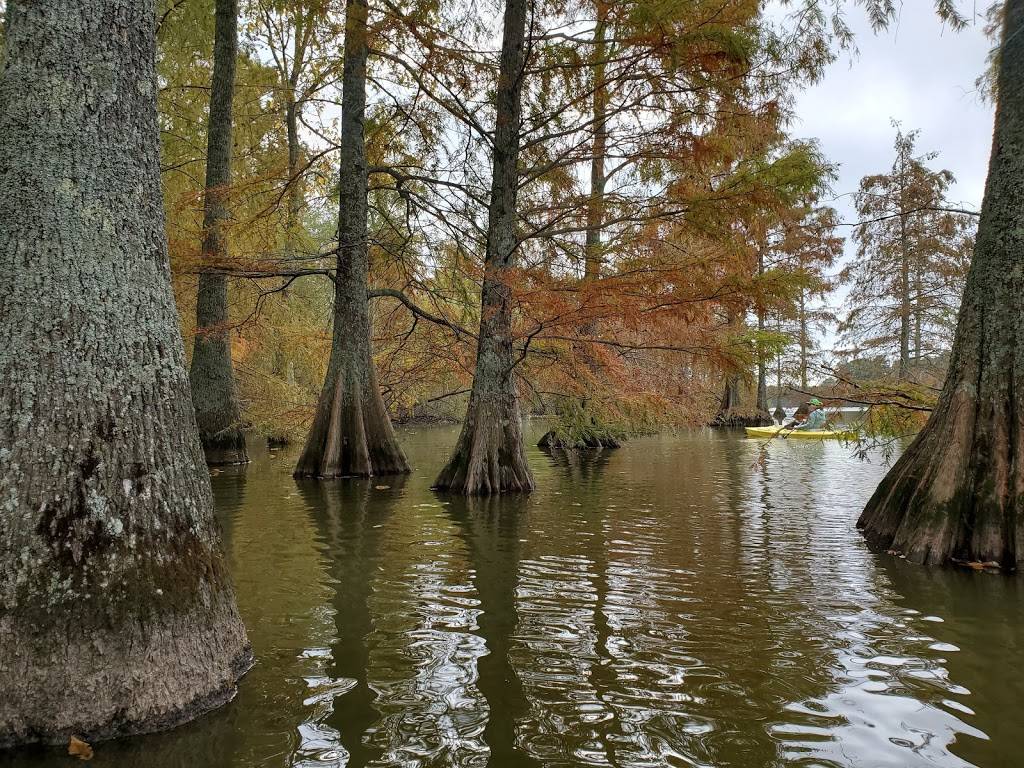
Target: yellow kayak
[{"x": 765, "y": 433}]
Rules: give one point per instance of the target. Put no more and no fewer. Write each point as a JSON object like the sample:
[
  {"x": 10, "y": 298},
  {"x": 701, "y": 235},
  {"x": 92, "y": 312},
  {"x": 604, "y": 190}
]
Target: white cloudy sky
[{"x": 919, "y": 73}]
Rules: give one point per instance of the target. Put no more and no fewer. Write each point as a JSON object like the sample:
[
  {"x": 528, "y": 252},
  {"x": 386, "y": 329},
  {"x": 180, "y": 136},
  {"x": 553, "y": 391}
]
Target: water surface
[{"x": 673, "y": 603}]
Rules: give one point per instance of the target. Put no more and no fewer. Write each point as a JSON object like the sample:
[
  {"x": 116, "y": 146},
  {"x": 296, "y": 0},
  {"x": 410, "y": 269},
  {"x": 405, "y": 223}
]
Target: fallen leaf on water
[
  {"x": 976, "y": 565},
  {"x": 79, "y": 749}
]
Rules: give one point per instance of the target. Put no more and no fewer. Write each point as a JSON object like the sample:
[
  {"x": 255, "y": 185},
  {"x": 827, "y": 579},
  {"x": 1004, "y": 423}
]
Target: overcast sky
[{"x": 919, "y": 73}]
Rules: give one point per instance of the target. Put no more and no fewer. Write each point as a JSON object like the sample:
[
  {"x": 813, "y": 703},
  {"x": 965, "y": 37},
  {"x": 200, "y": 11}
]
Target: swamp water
[{"x": 666, "y": 604}]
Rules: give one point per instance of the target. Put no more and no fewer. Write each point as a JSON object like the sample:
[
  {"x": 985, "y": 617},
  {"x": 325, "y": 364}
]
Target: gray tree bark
[
  {"x": 593, "y": 256},
  {"x": 352, "y": 433},
  {"x": 957, "y": 493},
  {"x": 117, "y": 615},
  {"x": 489, "y": 457},
  {"x": 903, "y": 368},
  {"x": 212, "y": 375}
]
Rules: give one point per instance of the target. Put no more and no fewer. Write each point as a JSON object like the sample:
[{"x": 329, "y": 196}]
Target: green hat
[{"x": 815, "y": 401}]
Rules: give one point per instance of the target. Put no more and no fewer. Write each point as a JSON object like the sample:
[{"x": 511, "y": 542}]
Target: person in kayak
[{"x": 816, "y": 416}]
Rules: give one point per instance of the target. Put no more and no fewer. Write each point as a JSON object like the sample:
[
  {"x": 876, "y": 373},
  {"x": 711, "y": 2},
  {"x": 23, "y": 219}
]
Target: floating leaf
[{"x": 80, "y": 749}]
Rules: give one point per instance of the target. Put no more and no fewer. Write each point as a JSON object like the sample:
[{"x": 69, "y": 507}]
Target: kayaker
[
  {"x": 816, "y": 416},
  {"x": 800, "y": 415}
]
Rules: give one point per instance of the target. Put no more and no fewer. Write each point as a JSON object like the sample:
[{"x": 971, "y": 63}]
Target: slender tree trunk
[
  {"x": 351, "y": 432},
  {"x": 779, "y": 412},
  {"x": 294, "y": 211},
  {"x": 762, "y": 365},
  {"x": 489, "y": 457},
  {"x": 904, "y": 297},
  {"x": 957, "y": 493},
  {"x": 212, "y": 375},
  {"x": 804, "y": 341},
  {"x": 595, "y": 205},
  {"x": 117, "y": 615},
  {"x": 918, "y": 315},
  {"x": 292, "y": 115}
]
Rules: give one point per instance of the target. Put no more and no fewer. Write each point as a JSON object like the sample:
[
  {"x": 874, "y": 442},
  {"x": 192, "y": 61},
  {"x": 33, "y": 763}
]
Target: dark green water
[{"x": 666, "y": 604}]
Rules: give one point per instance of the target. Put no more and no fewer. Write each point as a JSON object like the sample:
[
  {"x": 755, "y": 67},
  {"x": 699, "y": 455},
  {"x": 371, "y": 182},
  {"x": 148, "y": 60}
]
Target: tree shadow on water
[
  {"x": 491, "y": 528},
  {"x": 350, "y": 515}
]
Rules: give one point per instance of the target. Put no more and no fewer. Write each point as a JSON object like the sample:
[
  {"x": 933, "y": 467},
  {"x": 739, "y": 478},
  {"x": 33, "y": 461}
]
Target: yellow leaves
[{"x": 80, "y": 749}]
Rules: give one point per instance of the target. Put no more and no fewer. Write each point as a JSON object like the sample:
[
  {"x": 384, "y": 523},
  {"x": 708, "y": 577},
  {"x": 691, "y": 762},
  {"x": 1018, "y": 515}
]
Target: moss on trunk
[{"x": 117, "y": 615}]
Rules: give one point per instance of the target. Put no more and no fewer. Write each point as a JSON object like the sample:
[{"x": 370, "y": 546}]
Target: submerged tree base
[
  {"x": 735, "y": 417},
  {"x": 488, "y": 457},
  {"x": 954, "y": 496},
  {"x": 124, "y": 675},
  {"x": 555, "y": 439},
  {"x": 225, "y": 449},
  {"x": 352, "y": 435}
]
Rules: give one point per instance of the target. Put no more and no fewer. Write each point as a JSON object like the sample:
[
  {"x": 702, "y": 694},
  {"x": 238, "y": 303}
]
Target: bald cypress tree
[
  {"x": 352, "y": 432},
  {"x": 117, "y": 615},
  {"x": 488, "y": 457},
  {"x": 957, "y": 493},
  {"x": 212, "y": 374}
]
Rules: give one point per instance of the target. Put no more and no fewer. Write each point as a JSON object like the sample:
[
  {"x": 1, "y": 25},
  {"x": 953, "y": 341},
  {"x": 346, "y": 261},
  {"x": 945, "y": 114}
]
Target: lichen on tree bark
[
  {"x": 117, "y": 615},
  {"x": 957, "y": 493}
]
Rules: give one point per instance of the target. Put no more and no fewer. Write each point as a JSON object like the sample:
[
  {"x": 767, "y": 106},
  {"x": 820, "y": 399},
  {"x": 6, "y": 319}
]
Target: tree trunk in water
[
  {"x": 212, "y": 375},
  {"x": 779, "y": 413},
  {"x": 804, "y": 341},
  {"x": 957, "y": 492},
  {"x": 488, "y": 457},
  {"x": 351, "y": 432},
  {"x": 762, "y": 365},
  {"x": 117, "y": 615}
]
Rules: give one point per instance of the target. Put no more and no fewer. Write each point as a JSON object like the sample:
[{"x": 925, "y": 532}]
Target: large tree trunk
[
  {"x": 212, "y": 375},
  {"x": 351, "y": 432},
  {"x": 489, "y": 457},
  {"x": 117, "y": 615},
  {"x": 957, "y": 492}
]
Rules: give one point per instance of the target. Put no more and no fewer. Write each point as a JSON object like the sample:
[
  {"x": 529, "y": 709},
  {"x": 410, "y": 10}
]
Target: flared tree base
[
  {"x": 351, "y": 436},
  {"x": 225, "y": 448},
  {"x": 955, "y": 495},
  {"x": 489, "y": 457},
  {"x": 126, "y": 678}
]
